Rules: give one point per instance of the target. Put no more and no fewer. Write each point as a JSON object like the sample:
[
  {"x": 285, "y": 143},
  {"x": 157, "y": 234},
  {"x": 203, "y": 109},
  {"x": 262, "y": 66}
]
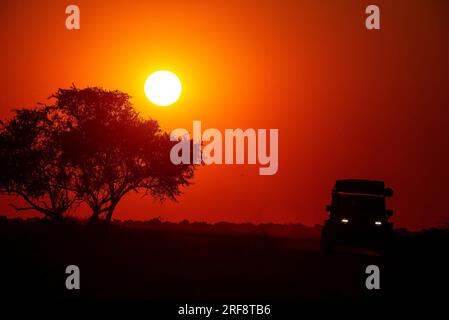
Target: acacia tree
[
  {"x": 89, "y": 145},
  {"x": 111, "y": 150},
  {"x": 31, "y": 162}
]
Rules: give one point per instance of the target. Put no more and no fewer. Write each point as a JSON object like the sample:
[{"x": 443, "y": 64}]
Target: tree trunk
[
  {"x": 110, "y": 211},
  {"x": 94, "y": 218}
]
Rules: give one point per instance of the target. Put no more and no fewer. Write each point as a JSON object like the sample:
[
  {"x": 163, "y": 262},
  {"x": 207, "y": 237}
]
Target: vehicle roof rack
[{"x": 362, "y": 186}]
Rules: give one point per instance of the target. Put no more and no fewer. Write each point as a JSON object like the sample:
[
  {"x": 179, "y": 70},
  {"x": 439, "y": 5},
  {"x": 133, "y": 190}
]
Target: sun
[{"x": 163, "y": 88}]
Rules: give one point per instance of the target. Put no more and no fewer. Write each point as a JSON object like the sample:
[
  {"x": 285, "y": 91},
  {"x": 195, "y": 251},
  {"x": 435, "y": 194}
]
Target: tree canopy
[{"x": 89, "y": 146}]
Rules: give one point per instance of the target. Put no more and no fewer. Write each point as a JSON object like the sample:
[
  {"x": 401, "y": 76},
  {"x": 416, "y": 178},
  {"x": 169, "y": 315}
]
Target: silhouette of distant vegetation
[
  {"x": 158, "y": 260},
  {"x": 90, "y": 146}
]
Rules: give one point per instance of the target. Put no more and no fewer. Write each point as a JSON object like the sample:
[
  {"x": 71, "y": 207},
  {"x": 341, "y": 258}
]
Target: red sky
[{"x": 348, "y": 102}]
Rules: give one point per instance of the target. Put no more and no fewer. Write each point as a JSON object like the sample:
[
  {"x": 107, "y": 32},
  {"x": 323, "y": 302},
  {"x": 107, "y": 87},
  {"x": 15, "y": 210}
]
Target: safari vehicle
[{"x": 358, "y": 215}]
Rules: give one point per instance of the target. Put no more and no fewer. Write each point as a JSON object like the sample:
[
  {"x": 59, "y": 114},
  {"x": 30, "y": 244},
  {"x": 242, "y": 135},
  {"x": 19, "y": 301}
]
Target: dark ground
[{"x": 189, "y": 262}]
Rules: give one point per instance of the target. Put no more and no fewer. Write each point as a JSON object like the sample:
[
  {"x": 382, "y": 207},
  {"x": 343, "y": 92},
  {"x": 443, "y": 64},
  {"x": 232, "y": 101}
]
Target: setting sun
[{"x": 163, "y": 88}]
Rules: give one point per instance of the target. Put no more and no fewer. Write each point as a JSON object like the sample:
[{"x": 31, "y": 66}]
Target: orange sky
[{"x": 348, "y": 103}]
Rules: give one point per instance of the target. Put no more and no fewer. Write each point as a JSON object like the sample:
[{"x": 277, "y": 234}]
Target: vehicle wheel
[
  {"x": 326, "y": 243},
  {"x": 386, "y": 246}
]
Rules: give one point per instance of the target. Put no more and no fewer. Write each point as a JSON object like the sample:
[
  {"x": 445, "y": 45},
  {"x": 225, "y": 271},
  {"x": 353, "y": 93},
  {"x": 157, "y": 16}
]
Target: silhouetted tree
[
  {"x": 31, "y": 162},
  {"x": 113, "y": 151},
  {"x": 89, "y": 145}
]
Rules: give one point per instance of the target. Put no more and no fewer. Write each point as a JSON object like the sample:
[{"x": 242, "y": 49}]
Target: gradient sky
[{"x": 348, "y": 102}]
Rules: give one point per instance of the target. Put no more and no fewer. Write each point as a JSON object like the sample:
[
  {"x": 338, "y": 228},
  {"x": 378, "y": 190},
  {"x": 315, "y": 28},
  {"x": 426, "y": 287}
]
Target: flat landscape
[{"x": 198, "y": 261}]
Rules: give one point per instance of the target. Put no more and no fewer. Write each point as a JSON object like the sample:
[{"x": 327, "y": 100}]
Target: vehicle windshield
[{"x": 360, "y": 205}]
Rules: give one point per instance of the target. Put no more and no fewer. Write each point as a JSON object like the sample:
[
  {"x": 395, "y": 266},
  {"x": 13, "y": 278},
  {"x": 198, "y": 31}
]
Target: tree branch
[
  {"x": 36, "y": 207},
  {"x": 21, "y": 209}
]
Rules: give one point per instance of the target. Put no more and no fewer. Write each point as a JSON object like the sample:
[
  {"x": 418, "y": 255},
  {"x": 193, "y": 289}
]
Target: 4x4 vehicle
[{"x": 358, "y": 215}]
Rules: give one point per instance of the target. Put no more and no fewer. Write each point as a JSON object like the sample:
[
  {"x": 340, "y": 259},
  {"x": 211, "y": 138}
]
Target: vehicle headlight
[
  {"x": 378, "y": 223},
  {"x": 344, "y": 220}
]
